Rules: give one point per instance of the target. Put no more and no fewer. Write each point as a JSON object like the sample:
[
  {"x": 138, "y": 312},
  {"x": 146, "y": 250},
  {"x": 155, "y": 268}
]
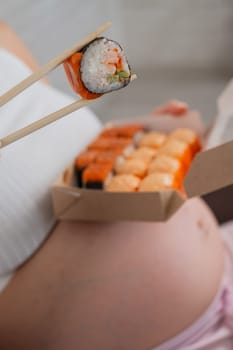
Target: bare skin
[{"x": 113, "y": 286}]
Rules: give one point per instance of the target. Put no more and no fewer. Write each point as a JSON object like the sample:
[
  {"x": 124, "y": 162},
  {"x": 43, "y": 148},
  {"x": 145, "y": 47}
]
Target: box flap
[
  {"x": 210, "y": 171},
  {"x": 224, "y": 102},
  {"x": 223, "y": 126}
]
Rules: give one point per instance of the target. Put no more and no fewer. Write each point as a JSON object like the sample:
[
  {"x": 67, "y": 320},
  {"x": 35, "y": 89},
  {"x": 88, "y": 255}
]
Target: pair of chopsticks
[{"x": 41, "y": 72}]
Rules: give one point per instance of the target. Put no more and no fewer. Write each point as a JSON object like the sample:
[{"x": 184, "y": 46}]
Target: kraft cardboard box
[{"x": 211, "y": 169}]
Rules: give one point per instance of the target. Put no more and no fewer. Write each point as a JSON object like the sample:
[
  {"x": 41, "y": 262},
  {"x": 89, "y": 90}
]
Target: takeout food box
[{"x": 210, "y": 170}]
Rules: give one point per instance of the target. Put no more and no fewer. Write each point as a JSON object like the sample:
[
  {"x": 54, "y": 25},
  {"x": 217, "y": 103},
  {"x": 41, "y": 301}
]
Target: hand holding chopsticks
[{"x": 48, "y": 67}]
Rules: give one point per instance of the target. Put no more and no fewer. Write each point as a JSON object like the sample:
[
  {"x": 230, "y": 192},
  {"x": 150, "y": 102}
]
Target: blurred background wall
[{"x": 178, "y": 48}]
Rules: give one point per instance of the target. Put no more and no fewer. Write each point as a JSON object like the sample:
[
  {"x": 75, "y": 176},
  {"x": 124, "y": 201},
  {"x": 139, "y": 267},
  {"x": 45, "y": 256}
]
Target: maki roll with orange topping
[
  {"x": 123, "y": 131},
  {"x": 179, "y": 150},
  {"x": 137, "y": 167},
  {"x": 123, "y": 183},
  {"x": 82, "y": 161},
  {"x": 111, "y": 143},
  {"x": 152, "y": 139},
  {"x": 107, "y": 157},
  {"x": 96, "y": 175},
  {"x": 144, "y": 153},
  {"x": 166, "y": 164},
  {"x": 100, "y": 67},
  {"x": 188, "y": 136},
  {"x": 158, "y": 182},
  {"x": 110, "y": 132},
  {"x": 130, "y": 130}
]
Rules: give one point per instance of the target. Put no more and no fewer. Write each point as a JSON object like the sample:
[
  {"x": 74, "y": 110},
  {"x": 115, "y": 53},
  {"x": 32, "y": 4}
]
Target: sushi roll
[
  {"x": 166, "y": 164},
  {"x": 177, "y": 149},
  {"x": 81, "y": 162},
  {"x": 131, "y": 130},
  {"x": 158, "y": 182},
  {"x": 112, "y": 144},
  {"x": 96, "y": 175},
  {"x": 188, "y": 136},
  {"x": 137, "y": 167},
  {"x": 123, "y": 183},
  {"x": 110, "y": 132},
  {"x": 144, "y": 153},
  {"x": 108, "y": 157},
  {"x": 152, "y": 139},
  {"x": 100, "y": 67},
  {"x": 123, "y": 131}
]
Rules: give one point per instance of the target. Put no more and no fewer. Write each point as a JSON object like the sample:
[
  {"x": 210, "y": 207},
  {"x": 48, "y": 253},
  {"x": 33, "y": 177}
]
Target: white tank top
[{"x": 29, "y": 166}]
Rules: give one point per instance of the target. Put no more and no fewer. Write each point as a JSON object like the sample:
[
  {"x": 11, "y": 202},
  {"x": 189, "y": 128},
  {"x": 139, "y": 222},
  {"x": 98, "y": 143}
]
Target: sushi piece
[
  {"x": 109, "y": 143},
  {"x": 179, "y": 150},
  {"x": 112, "y": 144},
  {"x": 152, "y": 139},
  {"x": 81, "y": 162},
  {"x": 137, "y": 167},
  {"x": 166, "y": 164},
  {"x": 188, "y": 136},
  {"x": 123, "y": 131},
  {"x": 110, "y": 132},
  {"x": 96, "y": 175},
  {"x": 123, "y": 183},
  {"x": 158, "y": 182},
  {"x": 100, "y": 67},
  {"x": 144, "y": 153},
  {"x": 108, "y": 157}
]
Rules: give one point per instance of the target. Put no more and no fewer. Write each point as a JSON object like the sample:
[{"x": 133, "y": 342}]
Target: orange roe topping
[
  {"x": 110, "y": 143},
  {"x": 85, "y": 158},
  {"x": 72, "y": 69},
  {"x": 96, "y": 172},
  {"x": 108, "y": 157},
  {"x": 123, "y": 131}
]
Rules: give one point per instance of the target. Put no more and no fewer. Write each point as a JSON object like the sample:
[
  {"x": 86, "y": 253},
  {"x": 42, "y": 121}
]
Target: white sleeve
[{"x": 30, "y": 165}]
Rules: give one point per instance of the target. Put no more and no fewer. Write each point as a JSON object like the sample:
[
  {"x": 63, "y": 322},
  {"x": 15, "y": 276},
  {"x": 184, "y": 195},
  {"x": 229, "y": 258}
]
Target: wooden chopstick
[
  {"x": 46, "y": 120},
  {"x": 42, "y": 122},
  {"x": 51, "y": 65}
]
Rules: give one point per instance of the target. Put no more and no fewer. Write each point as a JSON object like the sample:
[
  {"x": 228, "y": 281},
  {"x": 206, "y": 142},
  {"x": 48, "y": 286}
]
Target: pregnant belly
[{"x": 115, "y": 285}]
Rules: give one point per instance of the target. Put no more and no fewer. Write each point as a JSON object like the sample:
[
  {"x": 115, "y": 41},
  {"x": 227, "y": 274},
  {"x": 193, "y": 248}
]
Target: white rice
[{"x": 95, "y": 74}]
